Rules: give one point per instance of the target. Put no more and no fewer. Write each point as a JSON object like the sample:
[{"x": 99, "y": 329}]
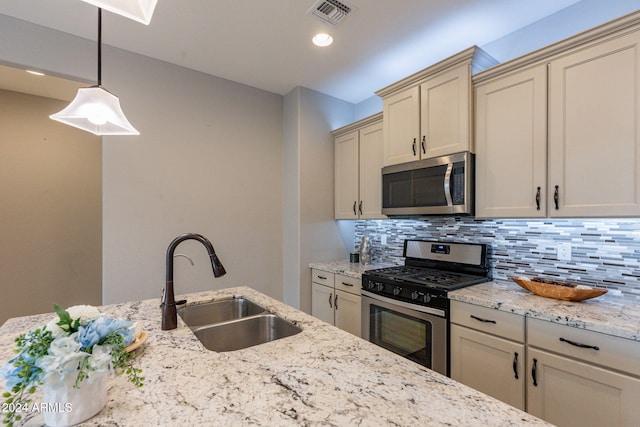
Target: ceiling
[{"x": 267, "y": 43}]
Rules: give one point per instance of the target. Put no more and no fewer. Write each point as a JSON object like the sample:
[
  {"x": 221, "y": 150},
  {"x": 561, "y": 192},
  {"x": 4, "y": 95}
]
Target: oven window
[{"x": 405, "y": 335}]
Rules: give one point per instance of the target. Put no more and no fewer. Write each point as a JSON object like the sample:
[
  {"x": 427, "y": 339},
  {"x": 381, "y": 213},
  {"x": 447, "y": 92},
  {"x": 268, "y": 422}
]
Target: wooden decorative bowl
[{"x": 558, "y": 290}]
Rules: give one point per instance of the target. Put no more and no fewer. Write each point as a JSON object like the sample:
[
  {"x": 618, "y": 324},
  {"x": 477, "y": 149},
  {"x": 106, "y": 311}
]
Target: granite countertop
[
  {"x": 321, "y": 376},
  {"x": 609, "y": 315},
  {"x": 606, "y": 314},
  {"x": 346, "y": 268}
]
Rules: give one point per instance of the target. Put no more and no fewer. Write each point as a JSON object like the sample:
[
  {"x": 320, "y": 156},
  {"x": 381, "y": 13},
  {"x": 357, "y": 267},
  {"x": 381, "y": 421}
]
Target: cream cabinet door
[
  {"x": 346, "y": 176},
  {"x": 566, "y": 392},
  {"x": 492, "y": 365},
  {"x": 322, "y": 302},
  {"x": 445, "y": 113},
  {"x": 370, "y": 204},
  {"x": 594, "y": 134},
  {"x": 348, "y": 312},
  {"x": 511, "y": 145},
  {"x": 401, "y": 124}
]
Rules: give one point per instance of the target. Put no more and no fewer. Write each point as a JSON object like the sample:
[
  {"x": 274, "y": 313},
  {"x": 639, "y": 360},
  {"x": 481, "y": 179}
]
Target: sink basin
[
  {"x": 243, "y": 333},
  {"x": 218, "y": 311}
]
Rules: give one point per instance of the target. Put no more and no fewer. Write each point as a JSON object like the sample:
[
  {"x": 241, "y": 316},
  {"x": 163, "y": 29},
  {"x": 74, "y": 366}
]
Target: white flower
[
  {"x": 101, "y": 359},
  {"x": 64, "y": 357},
  {"x": 85, "y": 313}
]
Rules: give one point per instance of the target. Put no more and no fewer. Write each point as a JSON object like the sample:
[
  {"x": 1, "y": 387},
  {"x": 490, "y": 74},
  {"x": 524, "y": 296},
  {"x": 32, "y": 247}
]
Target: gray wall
[
  {"x": 50, "y": 179},
  {"x": 209, "y": 159},
  {"x": 578, "y": 17},
  {"x": 574, "y": 19},
  {"x": 311, "y": 233}
]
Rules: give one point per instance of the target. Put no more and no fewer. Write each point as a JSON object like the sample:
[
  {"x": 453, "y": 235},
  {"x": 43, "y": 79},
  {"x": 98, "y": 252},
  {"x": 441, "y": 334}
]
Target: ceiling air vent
[{"x": 332, "y": 11}]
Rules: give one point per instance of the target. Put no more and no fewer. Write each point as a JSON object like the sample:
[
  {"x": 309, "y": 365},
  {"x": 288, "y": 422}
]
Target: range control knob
[
  {"x": 420, "y": 297},
  {"x": 379, "y": 287},
  {"x": 397, "y": 290},
  {"x": 369, "y": 285}
]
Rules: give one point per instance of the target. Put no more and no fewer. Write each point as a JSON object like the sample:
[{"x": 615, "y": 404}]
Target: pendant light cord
[{"x": 99, "y": 47}]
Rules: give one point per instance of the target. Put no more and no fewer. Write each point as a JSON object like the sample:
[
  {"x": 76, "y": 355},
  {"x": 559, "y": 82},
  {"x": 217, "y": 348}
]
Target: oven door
[{"x": 406, "y": 330}]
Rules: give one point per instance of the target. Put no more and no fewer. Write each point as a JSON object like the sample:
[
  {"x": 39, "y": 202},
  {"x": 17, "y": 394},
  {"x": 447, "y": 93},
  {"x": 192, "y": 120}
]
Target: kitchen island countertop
[{"x": 321, "y": 376}]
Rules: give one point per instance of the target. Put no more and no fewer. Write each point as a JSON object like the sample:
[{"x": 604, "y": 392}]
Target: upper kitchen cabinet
[
  {"x": 358, "y": 161},
  {"x": 594, "y": 139},
  {"x": 511, "y": 145},
  {"x": 557, "y": 130},
  {"x": 429, "y": 114}
]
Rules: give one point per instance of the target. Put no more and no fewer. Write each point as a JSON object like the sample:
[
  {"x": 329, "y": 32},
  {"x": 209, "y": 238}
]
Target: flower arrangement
[{"x": 80, "y": 342}]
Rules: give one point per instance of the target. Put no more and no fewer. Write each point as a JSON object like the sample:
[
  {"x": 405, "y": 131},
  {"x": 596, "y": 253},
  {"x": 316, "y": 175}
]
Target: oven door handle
[{"x": 416, "y": 307}]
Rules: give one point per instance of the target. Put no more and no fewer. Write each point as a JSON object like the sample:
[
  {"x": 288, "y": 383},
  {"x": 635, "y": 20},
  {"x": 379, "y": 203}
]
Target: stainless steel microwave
[{"x": 437, "y": 186}]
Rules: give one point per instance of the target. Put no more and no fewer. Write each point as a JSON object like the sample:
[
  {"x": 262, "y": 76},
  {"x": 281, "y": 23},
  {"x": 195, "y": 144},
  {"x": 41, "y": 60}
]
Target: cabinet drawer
[
  {"x": 322, "y": 277},
  {"x": 500, "y": 323},
  {"x": 612, "y": 352},
  {"x": 348, "y": 284}
]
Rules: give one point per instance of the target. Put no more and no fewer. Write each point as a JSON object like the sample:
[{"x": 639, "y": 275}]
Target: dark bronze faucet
[{"x": 169, "y": 312}]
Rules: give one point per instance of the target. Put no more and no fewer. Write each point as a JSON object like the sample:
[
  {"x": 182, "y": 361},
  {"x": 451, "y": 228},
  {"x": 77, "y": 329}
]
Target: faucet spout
[{"x": 169, "y": 311}]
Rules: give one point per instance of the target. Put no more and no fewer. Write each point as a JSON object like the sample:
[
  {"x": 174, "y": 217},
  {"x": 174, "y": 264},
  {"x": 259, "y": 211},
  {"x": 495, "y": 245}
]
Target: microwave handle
[{"x": 447, "y": 184}]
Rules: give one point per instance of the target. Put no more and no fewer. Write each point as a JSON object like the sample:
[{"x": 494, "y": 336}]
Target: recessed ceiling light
[
  {"x": 35, "y": 73},
  {"x": 322, "y": 39}
]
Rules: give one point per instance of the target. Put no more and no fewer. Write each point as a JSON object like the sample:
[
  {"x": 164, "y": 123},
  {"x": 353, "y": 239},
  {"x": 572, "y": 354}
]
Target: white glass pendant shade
[
  {"x": 97, "y": 111},
  {"x": 138, "y": 10}
]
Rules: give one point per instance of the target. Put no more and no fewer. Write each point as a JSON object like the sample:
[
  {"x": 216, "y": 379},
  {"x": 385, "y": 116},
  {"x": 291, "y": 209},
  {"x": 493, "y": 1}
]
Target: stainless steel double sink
[{"x": 234, "y": 324}]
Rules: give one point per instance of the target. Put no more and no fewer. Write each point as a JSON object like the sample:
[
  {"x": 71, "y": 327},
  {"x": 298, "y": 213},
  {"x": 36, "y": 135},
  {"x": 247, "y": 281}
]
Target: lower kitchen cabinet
[
  {"x": 336, "y": 300},
  {"x": 490, "y": 364},
  {"x": 488, "y": 351},
  {"x": 322, "y": 302},
  {"x": 566, "y": 392},
  {"x": 348, "y": 314},
  {"x": 581, "y": 378},
  {"x": 569, "y": 376}
]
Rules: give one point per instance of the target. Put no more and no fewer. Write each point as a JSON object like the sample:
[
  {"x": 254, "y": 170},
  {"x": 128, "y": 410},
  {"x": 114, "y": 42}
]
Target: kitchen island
[{"x": 321, "y": 376}]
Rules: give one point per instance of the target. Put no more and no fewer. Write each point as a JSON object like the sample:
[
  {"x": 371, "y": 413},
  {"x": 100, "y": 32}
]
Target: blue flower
[
  {"x": 10, "y": 373},
  {"x": 99, "y": 328}
]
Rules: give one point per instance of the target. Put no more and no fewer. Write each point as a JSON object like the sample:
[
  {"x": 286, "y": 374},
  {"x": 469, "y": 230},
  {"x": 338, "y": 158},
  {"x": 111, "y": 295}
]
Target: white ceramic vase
[{"x": 67, "y": 405}]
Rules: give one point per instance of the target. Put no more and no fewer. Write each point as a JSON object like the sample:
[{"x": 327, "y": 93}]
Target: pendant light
[
  {"x": 95, "y": 109},
  {"x": 138, "y": 10}
]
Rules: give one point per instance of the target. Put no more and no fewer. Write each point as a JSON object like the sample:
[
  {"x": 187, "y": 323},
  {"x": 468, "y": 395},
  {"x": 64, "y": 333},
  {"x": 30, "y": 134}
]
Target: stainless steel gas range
[{"x": 405, "y": 309}]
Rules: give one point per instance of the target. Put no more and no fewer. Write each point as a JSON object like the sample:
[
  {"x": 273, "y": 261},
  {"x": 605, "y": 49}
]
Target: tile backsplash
[{"x": 604, "y": 252}]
